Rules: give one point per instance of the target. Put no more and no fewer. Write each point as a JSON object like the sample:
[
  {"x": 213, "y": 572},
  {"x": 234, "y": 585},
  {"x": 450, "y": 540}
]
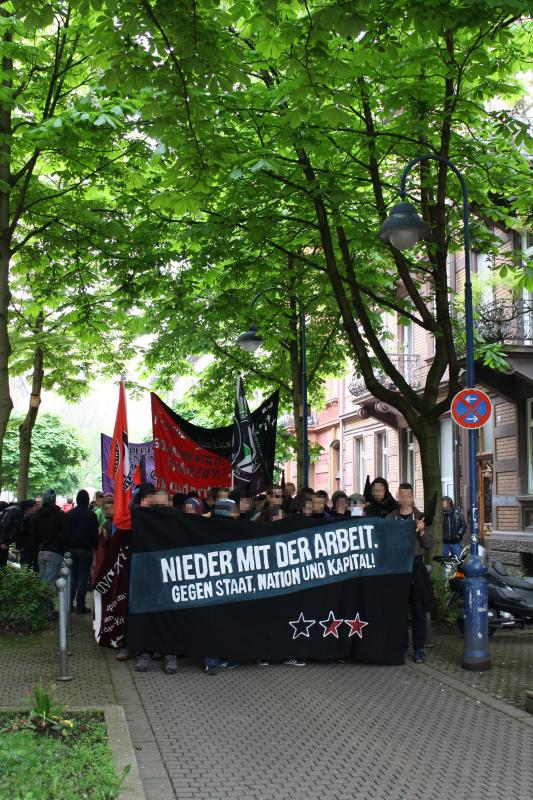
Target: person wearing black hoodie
[
  {"x": 381, "y": 502},
  {"x": 49, "y": 536},
  {"x": 81, "y": 538}
]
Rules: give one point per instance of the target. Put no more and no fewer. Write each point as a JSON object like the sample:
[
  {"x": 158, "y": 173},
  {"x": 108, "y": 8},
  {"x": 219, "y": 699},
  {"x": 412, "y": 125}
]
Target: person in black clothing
[
  {"x": 339, "y": 504},
  {"x": 382, "y": 503},
  {"x": 10, "y": 527},
  {"x": 28, "y": 546},
  {"x": 453, "y": 528},
  {"x": 421, "y": 597},
  {"x": 49, "y": 537},
  {"x": 81, "y": 538}
]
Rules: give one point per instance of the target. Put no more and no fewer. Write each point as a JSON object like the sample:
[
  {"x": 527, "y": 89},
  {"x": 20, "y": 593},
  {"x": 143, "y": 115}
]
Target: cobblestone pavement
[
  {"x": 324, "y": 732},
  {"x": 512, "y": 664}
]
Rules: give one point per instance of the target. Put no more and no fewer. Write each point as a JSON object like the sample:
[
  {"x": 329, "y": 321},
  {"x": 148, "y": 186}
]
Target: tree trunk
[
  {"x": 297, "y": 412},
  {"x": 6, "y": 403},
  {"x": 428, "y": 435},
  {"x": 28, "y": 423}
]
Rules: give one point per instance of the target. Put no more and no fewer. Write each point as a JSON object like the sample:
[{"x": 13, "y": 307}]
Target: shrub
[{"x": 24, "y": 600}]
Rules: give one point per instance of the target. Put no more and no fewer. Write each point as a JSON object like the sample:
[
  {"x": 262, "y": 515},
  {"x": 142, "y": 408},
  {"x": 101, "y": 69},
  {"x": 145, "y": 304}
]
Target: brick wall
[
  {"x": 506, "y": 483},
  {"x": 506, "y": 447},
  {"x": 507, "y": 518},
  {"x": 504, "y": 413}
]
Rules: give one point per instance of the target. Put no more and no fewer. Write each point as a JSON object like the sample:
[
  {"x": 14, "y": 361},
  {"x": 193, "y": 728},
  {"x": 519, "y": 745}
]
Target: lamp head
[
  {"x": 403, "y": 228},
  {"x": 250, "y": 340}
]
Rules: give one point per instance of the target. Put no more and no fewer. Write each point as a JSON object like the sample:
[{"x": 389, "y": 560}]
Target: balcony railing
[
  {"x": 505, "y": 321},
  {"x": 287, "y": 420},
  {"x": 407, "y": 364}
]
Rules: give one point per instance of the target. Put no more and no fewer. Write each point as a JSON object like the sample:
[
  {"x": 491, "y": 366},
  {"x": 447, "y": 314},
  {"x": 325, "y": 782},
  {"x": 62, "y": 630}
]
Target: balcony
[
  {"x": 287, "y": 420},
  {"x": 508, "y": 321},
  {"x": 407, "y": 364}
]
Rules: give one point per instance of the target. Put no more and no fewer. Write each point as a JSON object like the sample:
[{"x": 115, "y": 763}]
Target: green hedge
[{"x": 24, "y": 600}]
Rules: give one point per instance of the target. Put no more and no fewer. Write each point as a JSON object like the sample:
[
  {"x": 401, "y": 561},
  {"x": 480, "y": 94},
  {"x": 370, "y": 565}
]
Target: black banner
[
  {"x": 110, "y": 581},
  {"x": 250, "y": 469},
  {"x": 243, "y": 590}
]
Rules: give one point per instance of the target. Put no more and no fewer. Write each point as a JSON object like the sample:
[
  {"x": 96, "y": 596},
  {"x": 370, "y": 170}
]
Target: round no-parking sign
[{"x": 471, "y": 408}]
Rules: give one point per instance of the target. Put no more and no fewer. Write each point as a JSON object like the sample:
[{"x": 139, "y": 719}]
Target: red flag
[
  {"x": 137, "y": 477},
  {"x": 119, "y": 465}
]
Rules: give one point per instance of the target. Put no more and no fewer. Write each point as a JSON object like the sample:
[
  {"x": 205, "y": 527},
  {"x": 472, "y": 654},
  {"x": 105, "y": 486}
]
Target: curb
[
  {"x": 497, "y": 705},
  {"x": 118, "y": 736}
]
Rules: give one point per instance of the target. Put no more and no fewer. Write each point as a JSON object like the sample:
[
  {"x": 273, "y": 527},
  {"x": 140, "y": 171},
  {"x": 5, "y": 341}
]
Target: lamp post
[
  {"x": 251, "y": 340},
  {"x": 403, "y": 229}
]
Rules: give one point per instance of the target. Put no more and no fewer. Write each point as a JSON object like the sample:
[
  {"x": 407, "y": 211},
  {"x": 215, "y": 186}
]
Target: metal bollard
[
  {"x": 61, "y": 584},
  {"x": 64, "y": 572},
  {"x": 68, "y": 563}
]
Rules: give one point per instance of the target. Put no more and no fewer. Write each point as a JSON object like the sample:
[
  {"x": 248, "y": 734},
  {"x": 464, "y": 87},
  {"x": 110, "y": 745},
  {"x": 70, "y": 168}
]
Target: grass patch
[{"x": 76, "y": 766}]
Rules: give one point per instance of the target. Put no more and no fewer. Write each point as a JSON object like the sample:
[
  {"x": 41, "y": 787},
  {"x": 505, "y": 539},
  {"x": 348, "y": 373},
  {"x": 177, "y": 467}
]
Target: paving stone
[{"x": 326, "y": 732}]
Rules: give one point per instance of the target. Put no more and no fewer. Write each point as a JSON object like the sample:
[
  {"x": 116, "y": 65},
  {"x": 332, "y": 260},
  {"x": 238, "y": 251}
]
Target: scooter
[{"x": 510, "y": 598}]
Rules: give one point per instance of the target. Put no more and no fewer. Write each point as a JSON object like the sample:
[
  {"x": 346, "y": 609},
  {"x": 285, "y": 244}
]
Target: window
[
  {"x": 358, "y": 464},
  {"x": 408, "y": 456},
  {"x": 382, "y": 456},
  {"x": 527, "y": 250},
  {"x": 446, "y": 454},
  {"x": 530, "y": 443}
]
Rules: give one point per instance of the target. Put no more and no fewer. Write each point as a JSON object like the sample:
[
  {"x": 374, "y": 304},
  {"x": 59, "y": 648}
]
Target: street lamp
[
  {"x": 250, "y": 341},
  {"x": 403, "y": 229}
]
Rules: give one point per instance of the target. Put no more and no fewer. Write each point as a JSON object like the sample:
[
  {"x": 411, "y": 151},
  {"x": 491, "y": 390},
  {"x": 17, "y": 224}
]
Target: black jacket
[
  {"x": 453, "y": 526},
  {"x": 10, "y": 524},
  {"x": 49, "y": 529},
  {"x": 382, "y": 508},
  {"x": 82, "y": 528}
]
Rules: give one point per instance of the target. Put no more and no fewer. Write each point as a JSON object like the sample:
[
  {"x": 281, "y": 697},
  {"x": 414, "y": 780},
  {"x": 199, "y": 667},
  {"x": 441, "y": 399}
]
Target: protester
[
  {"x": 421, "y": 598},
  {"x": 193, "y": 505},
  {"x": 69, "y": 505},
  {"x": 318, "y": 506},
  {"x": 324, "y": 495},
  {"x": 98, "y": 508},
  {"x": 289, "y": 490},
  {"x": 10, "y": 527},
  {"x": 339, "y": 504},
  {"x": 28, "y": 546},
  {"x": 81, "y": 527},
  {"x": 302, "y": 504},
  {"x": 382, "y": 503},
  {"x": 49, "y": 533},
  {"x": 357, "y": 505},
  {"x": 453, "y": 528}
]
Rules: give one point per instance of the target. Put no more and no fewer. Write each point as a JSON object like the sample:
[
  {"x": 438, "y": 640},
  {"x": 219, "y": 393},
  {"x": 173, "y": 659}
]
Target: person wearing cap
[
  {"x": 356, "y": 505},
  {"x": 49, "y": 534}
]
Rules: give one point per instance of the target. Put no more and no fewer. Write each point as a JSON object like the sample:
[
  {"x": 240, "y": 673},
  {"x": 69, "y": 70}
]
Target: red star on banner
[
  {"x": 356, "y": 626},
  {"x": 330, "y": 625}
]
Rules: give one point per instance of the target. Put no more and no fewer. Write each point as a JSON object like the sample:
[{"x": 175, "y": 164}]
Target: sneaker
[
  {"x": 294, "y": 662},
  {"x": 420, "y": 656},
  {"x": 212, "y": 669},
  {"x": 141, "y": 665},
  {"x": 262, "y": 662},
  {"x": 123, "y": 654},
  {"x": 170, "y": 667},
  {"x": 229, "y": 665}
]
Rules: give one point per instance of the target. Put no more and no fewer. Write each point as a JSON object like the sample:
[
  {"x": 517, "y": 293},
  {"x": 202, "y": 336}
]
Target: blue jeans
[
  {"x": 81, "y": 568},
  {"x": 212, "y": 662},
  {"x": 451, "y": 549},
  {"x": 49, "y": 566}
]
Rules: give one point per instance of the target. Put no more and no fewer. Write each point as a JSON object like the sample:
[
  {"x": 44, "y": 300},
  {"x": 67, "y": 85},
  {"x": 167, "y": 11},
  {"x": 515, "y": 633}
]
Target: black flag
[{"x": 251, "y": 470}]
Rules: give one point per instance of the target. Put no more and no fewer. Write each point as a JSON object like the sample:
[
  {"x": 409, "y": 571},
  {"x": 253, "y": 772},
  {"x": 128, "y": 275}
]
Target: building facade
[{"x": 361, "y": 436}]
